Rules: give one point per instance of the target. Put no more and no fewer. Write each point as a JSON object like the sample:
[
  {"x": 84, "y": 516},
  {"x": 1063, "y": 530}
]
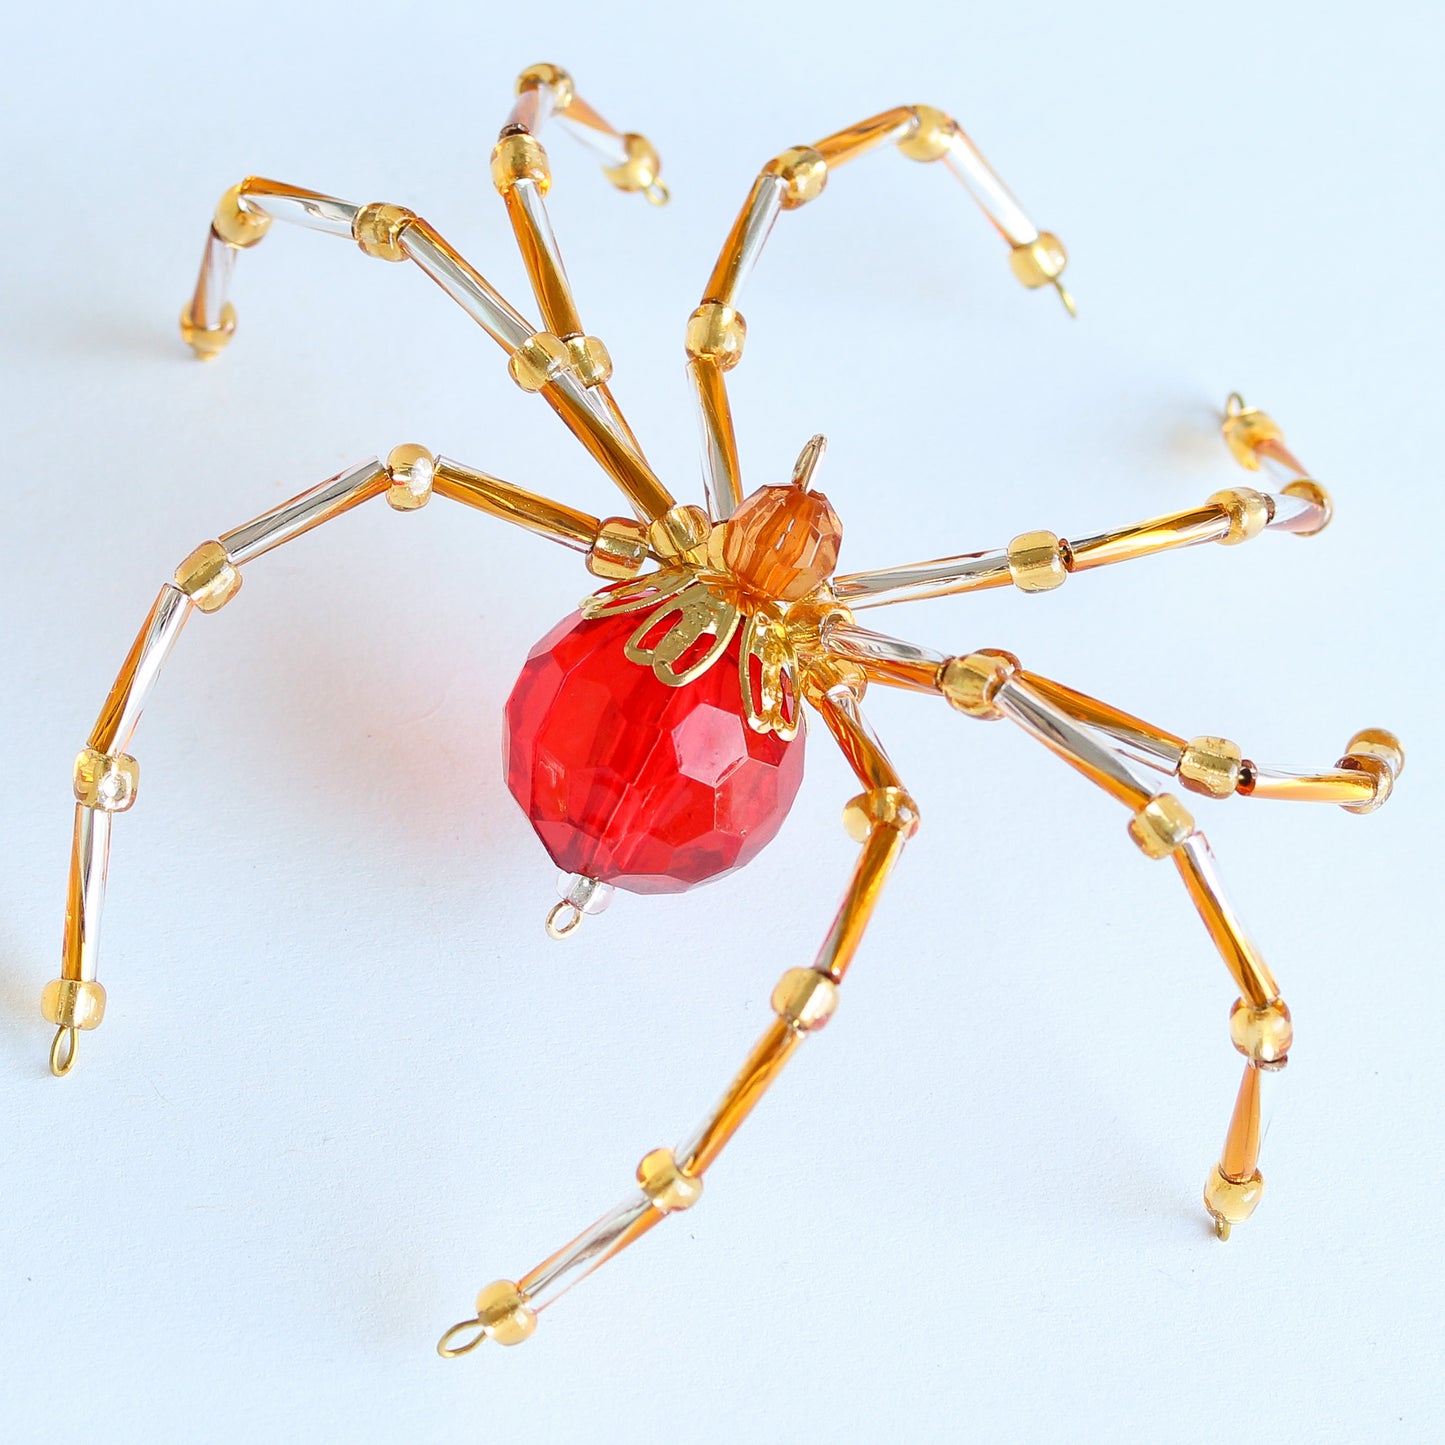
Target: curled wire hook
[
  {"x": 657, "y": 193},
  {"x": 63, "y": 1049},
  {"x": 448, "y": 1351},
  {"x": 564, "y": 920}
]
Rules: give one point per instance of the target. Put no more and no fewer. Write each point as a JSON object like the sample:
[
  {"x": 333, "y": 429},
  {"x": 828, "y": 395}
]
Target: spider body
[
  {"x": 655, "y": 740},
  {"x": 658, "y": 780},
  {"x": 634, "y": 784}
]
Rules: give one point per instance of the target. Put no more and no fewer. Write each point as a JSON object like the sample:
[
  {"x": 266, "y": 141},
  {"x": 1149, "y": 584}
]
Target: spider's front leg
[
  {"x": 1041, "y": 561},
  {"x": 716, "y": 330},
  {"x": 1101, "y": 742},
  {"x": 882, "y": 818},
  {"x": 106, "y": 777}
]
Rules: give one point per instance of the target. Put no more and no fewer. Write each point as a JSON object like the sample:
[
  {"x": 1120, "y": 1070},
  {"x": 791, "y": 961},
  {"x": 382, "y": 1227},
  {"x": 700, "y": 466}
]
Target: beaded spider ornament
[{"x": 655, "y": 738}]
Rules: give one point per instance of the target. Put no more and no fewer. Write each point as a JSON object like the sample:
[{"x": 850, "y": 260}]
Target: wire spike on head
[{"x": 808, "y": 460}]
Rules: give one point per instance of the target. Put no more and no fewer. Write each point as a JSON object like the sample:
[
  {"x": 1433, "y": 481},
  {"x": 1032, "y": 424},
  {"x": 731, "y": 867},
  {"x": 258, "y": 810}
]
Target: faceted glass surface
[
  {"x": 782, "y": 542},
  {"x": 645, "y": 786}
]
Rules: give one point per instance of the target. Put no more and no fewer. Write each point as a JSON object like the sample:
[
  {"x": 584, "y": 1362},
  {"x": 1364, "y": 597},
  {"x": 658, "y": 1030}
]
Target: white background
[{"x": 345, "y": 1079}]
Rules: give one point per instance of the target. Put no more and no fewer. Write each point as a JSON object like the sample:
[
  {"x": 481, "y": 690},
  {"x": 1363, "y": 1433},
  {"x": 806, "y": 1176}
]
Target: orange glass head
[{"x": 782, "y": 542}]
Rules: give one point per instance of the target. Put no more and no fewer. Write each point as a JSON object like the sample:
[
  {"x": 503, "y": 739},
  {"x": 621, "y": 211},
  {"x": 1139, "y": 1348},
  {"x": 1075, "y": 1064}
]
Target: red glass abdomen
[{"x": 645, "y": 786}]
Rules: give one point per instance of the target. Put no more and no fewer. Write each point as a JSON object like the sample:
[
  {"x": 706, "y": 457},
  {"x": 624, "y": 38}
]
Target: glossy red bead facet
[{"x": 645, "y": 786}]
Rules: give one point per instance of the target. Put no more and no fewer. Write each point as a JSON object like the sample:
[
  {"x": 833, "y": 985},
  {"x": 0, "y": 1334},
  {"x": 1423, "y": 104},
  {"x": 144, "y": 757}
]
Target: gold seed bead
[
  {"x": 680, "y": 531},
  {"x": 1211, "y": 766},
  {"x": 805, "y": 999},
  {"x": 235, "y": 224},
  {"x": 590, "y": 359},
  {"x": 885, "y": 807},
  {"x": 73, "y": 1003},
  {"x": 377, "y": 229},
  {"x": 208, "y": 577},
  {"x": 1378, "y": 743},
  {"x": 539, "y": 359},
  {"x": 969, "y": 683},
  {"x": 1161, "y": 825},
  {"x": 804, "y": 172},
  {"x": 107, "y": 782},
  {"x": 717, "y": 331},
  {"x": 619, "y": 549},
  {"x": 208, "y": 341},
  {"x": 503, "y": 1312},
  {"x": 1245, "y": 431},
  {"x": 1231, "y": 1201},
  {"x": 1036, "y": 562},
  {"x": 639, "y": 171},
  {"x": 1039, "y": 262},
  {"x": 1379, "y": 770},
  {"x": 1249, "y": 513},
  {"x": 669, "y": 1189},
  {"x": 1311, "y": 491},
  {"x": 824, "y": 673},
  {"x": 520, "y": 157},
  {"x": 412, "y": 469},
  {"x": 553, "y": 75},
  {"x": 929, "y": 138},
  {"x": 1262, "y": 1035}
]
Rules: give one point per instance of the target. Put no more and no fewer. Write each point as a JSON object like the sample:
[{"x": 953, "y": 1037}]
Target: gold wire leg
[
  {"x": 571, "y": 379},
  {"x": 106, "y": 778},
  {"x": 1216, "y": 767},
  {"x": 882, "y": 818},
  {"x": 991, "y": 685},
  {"x": 1161, "y": 827},
  {"x": 716, "y": 331},
  {"x": 1232, "y": 1192},
  {"x": 521, "y": 173},
  {"x": 1040, "y": 561}
]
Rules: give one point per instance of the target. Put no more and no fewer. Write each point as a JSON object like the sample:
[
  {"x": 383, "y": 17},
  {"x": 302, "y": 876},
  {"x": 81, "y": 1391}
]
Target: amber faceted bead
[
  {"x": 645, "y": 786},
  {"x": 782, "y": 542}
]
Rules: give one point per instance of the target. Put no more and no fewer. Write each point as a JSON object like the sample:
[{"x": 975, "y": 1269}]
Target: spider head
[{"x": 782, "y": 541}]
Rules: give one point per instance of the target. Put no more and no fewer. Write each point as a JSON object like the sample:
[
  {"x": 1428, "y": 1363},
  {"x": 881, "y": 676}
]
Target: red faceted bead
[{"x": 645, "y": 786}]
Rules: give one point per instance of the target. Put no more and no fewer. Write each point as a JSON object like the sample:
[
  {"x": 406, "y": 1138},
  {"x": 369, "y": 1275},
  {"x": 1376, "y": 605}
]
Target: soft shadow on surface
[
  {"x": 70, "y": 334},
  {"x": 24, "y": 1035},
  {"x": 304, "y": 738},
  {"x": 1193, "y": 436}
]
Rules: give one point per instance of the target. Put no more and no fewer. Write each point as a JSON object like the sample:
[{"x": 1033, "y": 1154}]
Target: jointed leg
[
  {"x": 716, "y": 330},
  {"x": 1101, "y": 743},
  {"x": 882, "y": 818},
  {"x": 1041, "y": 561},
  {"x": 1213, "y": 766},
  {"x": 988, "y": 686},
  {"x": 1359, "y": 782},
  {"x": 106, "y": 776},
  {"x": 567, "y": 382},
  {"x": 522, "y": 175}
]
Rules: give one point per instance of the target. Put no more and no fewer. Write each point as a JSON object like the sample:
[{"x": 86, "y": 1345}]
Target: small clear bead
[{"x": 586, "y": 895}]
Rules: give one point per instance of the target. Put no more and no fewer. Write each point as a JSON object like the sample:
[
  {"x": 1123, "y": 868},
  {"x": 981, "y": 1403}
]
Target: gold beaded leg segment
[
  {"x": 882, "y": 818},
  {"x": 1359, "y": 782},
  {"x": 522, "y": 175},
  {"x": 1041, "y": 561},
  {"x": 716, "y": 330},
  {"x": 1100, "y": 742},
  {"x": 569, "y": 370},
  {"x": 106, "y": 777}
]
